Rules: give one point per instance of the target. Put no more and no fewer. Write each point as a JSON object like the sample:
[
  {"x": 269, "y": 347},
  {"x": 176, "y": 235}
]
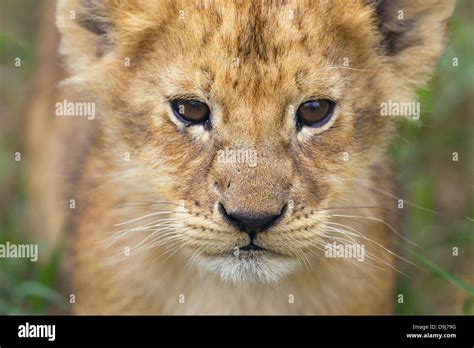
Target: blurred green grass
[
  {"x": 25, "y": 287},
  {"x": 421, "y": 153},
  {"x": 423, "y": 158}
]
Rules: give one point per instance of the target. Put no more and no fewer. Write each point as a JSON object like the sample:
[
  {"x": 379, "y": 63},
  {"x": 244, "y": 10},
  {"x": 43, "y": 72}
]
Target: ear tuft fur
[
  {"x": 403, "y": 23},
  {"x": 95, "y": 16},
  {"x": 413, "y": 34},
  {"x": 86, "y": 27}
]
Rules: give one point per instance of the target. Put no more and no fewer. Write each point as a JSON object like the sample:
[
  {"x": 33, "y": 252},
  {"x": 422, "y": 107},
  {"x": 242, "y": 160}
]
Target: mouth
[
  {"x": 251, "y": 247},
  {"x": 252, "y": 264}
]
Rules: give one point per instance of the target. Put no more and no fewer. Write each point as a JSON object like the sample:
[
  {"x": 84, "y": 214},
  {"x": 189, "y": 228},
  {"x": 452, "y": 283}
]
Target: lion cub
[{"x": 235, "y": 163}]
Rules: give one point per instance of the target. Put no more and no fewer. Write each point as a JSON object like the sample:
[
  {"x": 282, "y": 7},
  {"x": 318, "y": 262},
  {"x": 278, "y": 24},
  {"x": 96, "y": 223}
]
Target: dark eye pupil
[
  {"x": 190, "y": 111},
  {"x": 315, "y": 112}
]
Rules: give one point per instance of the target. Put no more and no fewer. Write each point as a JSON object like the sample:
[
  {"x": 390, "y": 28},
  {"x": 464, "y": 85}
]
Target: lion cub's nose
[{"x": 250, "y": 223}]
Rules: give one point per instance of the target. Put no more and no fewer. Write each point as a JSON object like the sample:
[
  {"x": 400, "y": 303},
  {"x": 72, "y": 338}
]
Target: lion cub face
[{"x": 248, "y": 119}]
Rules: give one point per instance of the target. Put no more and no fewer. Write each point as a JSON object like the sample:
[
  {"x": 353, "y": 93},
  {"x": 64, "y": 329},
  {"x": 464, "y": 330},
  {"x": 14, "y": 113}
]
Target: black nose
[{"x": 250, "y": 223}]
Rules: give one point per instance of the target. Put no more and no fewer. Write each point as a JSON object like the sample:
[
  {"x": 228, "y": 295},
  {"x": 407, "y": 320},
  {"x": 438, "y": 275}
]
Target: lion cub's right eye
[{"x": 190, "y": 112}]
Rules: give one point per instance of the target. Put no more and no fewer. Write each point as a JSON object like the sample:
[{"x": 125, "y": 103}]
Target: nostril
[{"x": 249, "y": 222}]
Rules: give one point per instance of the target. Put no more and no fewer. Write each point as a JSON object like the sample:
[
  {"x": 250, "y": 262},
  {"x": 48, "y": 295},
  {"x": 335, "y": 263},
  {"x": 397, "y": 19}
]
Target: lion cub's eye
[
  {"x": 190, "y": 111},
  {"x": 315, "y": 113}
]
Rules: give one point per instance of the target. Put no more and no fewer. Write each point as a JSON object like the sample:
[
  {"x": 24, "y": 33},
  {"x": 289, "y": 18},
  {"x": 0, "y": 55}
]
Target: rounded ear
[
  {"x": 413, "y": 34},
  {"x": 86, "y": 28}
]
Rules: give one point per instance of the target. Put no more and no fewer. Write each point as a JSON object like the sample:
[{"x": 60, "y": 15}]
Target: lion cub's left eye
[
  {"x": 315, "y": 113},
  {"x": 190, "y": 111}
]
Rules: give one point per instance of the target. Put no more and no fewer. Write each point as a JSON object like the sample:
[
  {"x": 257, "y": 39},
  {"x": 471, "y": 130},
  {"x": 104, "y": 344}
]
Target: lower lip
[{"x": 251, "y": 248}]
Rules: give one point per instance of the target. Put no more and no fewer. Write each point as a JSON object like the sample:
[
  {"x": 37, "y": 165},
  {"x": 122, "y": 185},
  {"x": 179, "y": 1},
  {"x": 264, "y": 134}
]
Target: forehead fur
[
  {"x": 250, "y": 35},
  {"x": 275, "y": 52},
  {"x": 301, "y": 35},
  {"x": 259, "y": 30}
]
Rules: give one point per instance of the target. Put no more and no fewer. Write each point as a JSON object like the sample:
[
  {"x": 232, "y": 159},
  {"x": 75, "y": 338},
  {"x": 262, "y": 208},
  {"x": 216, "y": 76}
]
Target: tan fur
[{"x": 288, "y": 52}]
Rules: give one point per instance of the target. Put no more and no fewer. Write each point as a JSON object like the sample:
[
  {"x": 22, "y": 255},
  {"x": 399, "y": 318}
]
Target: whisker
[
  {"x": 357, "y": 207},
  {"x": 368, "y": 255},
  {"x": 194, "y": 256},
  {"x": 388, "y": 194},
  {"x": 147, "y": 227},
  {"x": 149, "y": 203},
  {"x": 355, "y": 262},
  {"x": 381, "y": 221},
  {"x": 380, "y": 245},
  {"x": 151, "y": 224},
  {"x": 145, "y": 216}
]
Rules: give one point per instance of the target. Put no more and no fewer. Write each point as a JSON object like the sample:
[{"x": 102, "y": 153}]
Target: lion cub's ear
[
  {"x": 86, "y": 28},
  {"x": 94, "y": 31},
  {"x": 413, "y": 34}
]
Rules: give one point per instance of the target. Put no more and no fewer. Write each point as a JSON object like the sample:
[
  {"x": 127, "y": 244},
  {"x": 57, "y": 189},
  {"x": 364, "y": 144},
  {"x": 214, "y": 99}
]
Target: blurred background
[{"x": 440, "y": 218}]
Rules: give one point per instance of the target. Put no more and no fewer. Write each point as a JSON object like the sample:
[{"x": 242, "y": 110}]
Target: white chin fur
[{"x": 255, "y": 268}]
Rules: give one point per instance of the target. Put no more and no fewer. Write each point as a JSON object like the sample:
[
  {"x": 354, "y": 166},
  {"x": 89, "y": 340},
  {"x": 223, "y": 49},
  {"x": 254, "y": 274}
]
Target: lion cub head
[{"x": 248, "y": 118}]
